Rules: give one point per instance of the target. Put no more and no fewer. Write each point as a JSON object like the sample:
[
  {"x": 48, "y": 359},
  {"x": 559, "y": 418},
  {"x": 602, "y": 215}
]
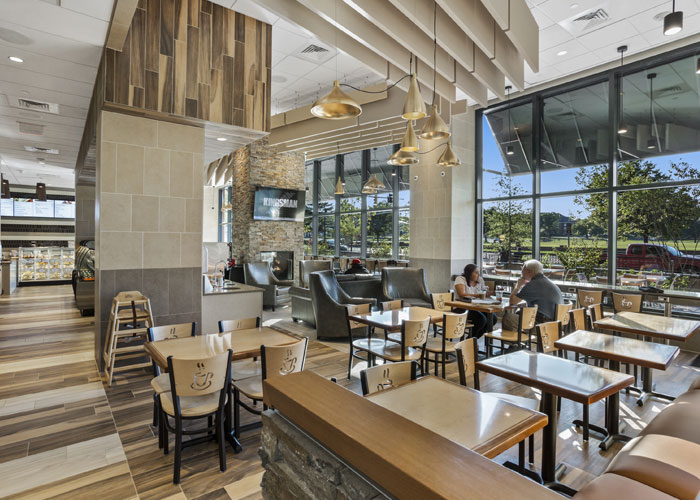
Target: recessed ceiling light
[
  {"x": 221, "y": 139},
  {"x": 562, "y": 53},
  {"x": 16, "y": 59},
  {"x": 574, "y": 6}
]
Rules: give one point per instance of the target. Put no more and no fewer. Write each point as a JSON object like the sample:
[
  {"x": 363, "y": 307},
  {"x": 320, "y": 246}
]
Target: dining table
[
  {"x": 557, "y": 377},
  {"x": 650, "y": 326},
  {"x": 617, "y": 350},
  {"x": 245, "y": 344},
  {"x": 391, "y": 321},
  {"x": 476, "y": 420}
]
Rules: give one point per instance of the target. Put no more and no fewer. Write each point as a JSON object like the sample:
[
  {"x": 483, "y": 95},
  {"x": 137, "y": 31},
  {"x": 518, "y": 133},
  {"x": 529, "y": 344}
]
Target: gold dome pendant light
[
  {"x": 337, "y": 105},
  {"x": 339, "y": 189},
  {"x": 410, "y": 141},
  {"x": 448, "y": 158},
  {"x": 414, "y": 107},
  {"x": 373, "y": 184},
  {"x": 402, "y": 158},
  {"x": 435, "y": 127}
]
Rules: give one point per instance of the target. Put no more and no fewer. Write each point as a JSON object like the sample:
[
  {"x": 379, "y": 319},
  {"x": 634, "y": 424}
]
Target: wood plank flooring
[{"x": 63, "y": 434}]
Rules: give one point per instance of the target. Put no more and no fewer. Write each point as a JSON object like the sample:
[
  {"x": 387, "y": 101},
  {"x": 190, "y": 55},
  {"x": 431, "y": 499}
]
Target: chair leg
[
  {"x": 155, "y": 409},
  {"x": 559, "y": 404},
  {"x": 350, "y": 362},
  {"x": 531, "y": 446},
  {"x": 178, "y": 451},
  {"x": 163, "y": 420},
  {"x": 585, "y": 422},
  {"x": 627, "y": 371},
  {"x": 236, "y": 413},
  {"x": 443, "y": 365},
  {"x": 210, "y": 423},
  {"x": 220, "y": 439}
]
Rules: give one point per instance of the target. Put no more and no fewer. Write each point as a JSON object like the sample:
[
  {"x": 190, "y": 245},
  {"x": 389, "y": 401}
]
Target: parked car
[{"x": 650, "y": 256}]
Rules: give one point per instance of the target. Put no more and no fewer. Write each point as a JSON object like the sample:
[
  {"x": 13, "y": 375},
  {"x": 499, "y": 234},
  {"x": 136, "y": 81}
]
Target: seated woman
[{"x": 470, "y": 285}]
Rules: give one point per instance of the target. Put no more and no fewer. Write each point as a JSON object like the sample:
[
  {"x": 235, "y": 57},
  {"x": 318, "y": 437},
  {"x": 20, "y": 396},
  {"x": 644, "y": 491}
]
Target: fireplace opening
[{"x": 281, "y": 263}]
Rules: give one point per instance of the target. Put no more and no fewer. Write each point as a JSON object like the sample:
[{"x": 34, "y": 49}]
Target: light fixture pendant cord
[{"x": 434, "y": 49}]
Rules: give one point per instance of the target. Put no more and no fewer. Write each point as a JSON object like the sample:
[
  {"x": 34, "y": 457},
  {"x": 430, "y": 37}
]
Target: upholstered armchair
[
  {"x": 407, "y": 284},
  {"x": 329, "y": 303},
  {"x": 276, "y": 292},
  {"x": 302, "y": 308}
]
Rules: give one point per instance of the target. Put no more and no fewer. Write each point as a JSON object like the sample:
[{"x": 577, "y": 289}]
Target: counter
[
  {"x": 8, "y": 276},
  {"x": 243, "y": 301}
]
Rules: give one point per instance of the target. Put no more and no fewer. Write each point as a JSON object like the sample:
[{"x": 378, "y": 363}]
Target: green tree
[
  {"x": 379, "y": 224},
  {"x": 350, "y": 226},
  {"x": 549, "y": 224},
  {"x": 508, "y": 221}
]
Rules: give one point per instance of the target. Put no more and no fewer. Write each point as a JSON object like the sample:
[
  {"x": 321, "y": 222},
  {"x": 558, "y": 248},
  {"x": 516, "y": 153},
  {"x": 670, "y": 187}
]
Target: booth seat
[{"x": 663, "y": 462}]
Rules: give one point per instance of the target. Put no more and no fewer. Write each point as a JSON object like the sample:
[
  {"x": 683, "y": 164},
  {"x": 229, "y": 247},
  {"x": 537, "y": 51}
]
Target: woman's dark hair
[{"x": 468, "y": 271}]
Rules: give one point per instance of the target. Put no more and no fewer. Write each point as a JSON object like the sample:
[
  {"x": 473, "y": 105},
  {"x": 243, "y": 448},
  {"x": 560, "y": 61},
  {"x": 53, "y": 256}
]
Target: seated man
[
  {"x": 356, "y": 267},
  {"x": 536, "y": 289}
]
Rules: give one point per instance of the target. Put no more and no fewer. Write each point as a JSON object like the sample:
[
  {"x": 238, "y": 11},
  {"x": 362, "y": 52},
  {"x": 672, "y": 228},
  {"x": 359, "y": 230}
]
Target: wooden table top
[
  {"x": 650, "y": 325},
  {"x": 476, "y": 420},
  {"x": 403, "y": 458},
  {"x": 391, "y": 320},
  {"x": 571, "y": 380},
  {"x": 244, "y": 343},
  {"x": 484, "y": 305},
  {"x": 623, "y": 349}
]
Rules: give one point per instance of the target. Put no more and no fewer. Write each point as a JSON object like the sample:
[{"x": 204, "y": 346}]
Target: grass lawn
[{"x": 555, "y": 242}]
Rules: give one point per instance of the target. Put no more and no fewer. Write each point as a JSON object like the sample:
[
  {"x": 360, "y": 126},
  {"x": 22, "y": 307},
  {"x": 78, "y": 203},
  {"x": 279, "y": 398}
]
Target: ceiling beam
[{"x": 354, "y": 25}]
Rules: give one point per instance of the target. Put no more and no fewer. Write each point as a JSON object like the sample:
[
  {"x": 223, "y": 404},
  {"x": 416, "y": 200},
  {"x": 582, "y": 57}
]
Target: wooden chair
[
  {"x": 547, "y": 334},
  {"x": 360, "y": 345},
  {"x": 526, "y": 322},
  {"x": 276, "y": 362},
  {"x": 453, "y": 328},
  {"x": 466, "y": 362},
  {"x": 382, "y": 377},
  {"x": 577, "y": 319},
  {"x": 381, "y": 265},
  {"x": 246, "y": 367},
  {"x": 627, "y": 302},
  {"x": 371, "y": 265},
  {"x": 570, "y": 275},
  {"x": 414, "y": 335},
  {"x": 161, "y": 381},
  {"x": 198, "y": 389},
  {"x": 603, "y": 280},
  {"x": 561, "y": 314},
  {"x": 437, "y": 302},
  {"x": 502, "y": 272},
  {"x": 391, "y": 305},
  {"x": 587, "y": 298},
  {"x": 491, "y": 285}
]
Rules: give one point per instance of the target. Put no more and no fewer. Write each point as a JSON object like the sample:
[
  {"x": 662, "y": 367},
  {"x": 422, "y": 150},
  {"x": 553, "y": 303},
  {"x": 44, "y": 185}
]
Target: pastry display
[{"x": 46, "y": 264}]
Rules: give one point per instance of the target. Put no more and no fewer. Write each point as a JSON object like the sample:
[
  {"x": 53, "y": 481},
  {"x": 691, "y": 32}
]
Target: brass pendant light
[
  {"x": 622, "y": 128},
  {"x": 337, "y": 105},
  {"x": 448, "y": 158},
  {"x": 414, "y": 107},
  {"x": 410, "y": 141},
  {"x": 402, "y": 158},
  {"x": 435, "y": 128},
  {"x": 373, "y": 185},
  {"x": 339, "y": 188}
]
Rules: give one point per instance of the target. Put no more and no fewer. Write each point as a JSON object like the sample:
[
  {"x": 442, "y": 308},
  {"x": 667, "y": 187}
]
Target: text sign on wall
[{"x": 279, "y": 204}]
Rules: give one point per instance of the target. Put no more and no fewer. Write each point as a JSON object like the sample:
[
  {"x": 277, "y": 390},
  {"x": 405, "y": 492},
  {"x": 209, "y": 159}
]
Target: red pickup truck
[{"x": 661, "y": 257}]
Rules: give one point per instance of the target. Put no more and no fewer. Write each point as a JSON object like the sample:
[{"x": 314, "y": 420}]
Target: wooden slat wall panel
[{"x": 193, "y": 58}]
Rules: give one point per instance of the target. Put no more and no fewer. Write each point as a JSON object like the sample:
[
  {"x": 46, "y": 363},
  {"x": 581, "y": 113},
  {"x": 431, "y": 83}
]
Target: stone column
[
  {"x": 443, "y": 208},
  {"x": 149, "y": 217}
]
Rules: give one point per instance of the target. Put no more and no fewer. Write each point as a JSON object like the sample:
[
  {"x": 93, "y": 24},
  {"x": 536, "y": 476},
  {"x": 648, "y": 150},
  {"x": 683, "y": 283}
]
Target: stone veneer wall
[
  {"x": 259, "y": 164},
  {"x": 149, "y": 217},
  {"x": 296, "y": 466}
]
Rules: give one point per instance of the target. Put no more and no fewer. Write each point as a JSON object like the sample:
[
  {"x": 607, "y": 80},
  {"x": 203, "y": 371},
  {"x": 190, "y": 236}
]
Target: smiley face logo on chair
[
  {"x": 626, "y": 303},
  {"x": 387, "y": 383},
  {"x": 289, "y": 363},
  {"x": 588, "y": 300},
  {"x": 202, "y": 378},
  {"x": 171, "y": 333},
  {"x": 440, "y": 303},
  {"x": 419, "y": 337}
]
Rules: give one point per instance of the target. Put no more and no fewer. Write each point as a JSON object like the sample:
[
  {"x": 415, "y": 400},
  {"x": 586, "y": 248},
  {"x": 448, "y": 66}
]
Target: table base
[
  {"x": 647, "y": 391},
  {"x": 556, "y": 485},
  {"x": 531, "y": 474},
  {"x": 591, "y": 427}
]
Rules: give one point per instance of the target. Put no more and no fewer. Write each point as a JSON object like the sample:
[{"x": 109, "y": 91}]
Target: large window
[
  {"x": 373, "y": 225},
  {"x": 600, "y": 176}
]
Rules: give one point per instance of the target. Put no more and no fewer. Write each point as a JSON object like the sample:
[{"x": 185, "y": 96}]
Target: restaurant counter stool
[
  {"x": 246, "y": 367},
  {"x": 161, "y": 381},
  {"x": 199, "y": 389},
  {"x": 466, "y": 362},
  {"x": 382, "y": 377},
  {"x": 414, "y": 335},
  {"x": 526, "y": 322},
  {"x": 453, "y": 328},
  {"x": 276, "y": 361},
  {"x": 358, "y": 346}
]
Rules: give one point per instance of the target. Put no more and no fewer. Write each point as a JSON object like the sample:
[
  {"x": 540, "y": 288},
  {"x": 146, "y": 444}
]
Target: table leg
[
  {"x": 648, "y": 388},
  {"x": 550, "y": 470},
  {"x": 612, "y": 417}
]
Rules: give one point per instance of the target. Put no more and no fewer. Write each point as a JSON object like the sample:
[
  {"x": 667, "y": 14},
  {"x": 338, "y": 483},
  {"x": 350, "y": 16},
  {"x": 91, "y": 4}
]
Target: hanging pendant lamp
[
  {"x": 410, "y": 141},
  {"x": 622, "y": 128},
  {"x": 5, "y": 188},
  {"x": 41, "y": 191},
  {"x": 673, "y": 22},
  {"x": 339, "y": 188},
  {"x": 337, "y": 105},
  {"x": 402, "y": 158},
  {"x": 510, "y": 150},
  {"x": 651, "y": 142},
  {"x": 697, "y": 67},
  {"x": 373, "y": 185},
  {"x": 414, "y": 107},
  {"x": 435, "y": 128},
  {"x": 448, "y": 158}
]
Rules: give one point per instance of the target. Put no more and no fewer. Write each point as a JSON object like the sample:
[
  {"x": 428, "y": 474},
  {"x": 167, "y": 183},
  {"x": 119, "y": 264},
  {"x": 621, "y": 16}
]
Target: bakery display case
[{"x": 45, "y": 264}]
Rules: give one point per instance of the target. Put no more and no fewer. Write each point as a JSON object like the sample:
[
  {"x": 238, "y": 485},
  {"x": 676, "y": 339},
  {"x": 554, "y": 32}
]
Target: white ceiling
[{"x": 61, "y": 44}]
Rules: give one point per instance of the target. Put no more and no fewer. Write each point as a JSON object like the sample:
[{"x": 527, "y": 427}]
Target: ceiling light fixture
[
  {"x": 435, "y": 127},
  {"x": 373, "y": 185},
  {"x": 16, "y": 59},
  {"x": 510, "y": 151},
  {"x": 413, "y": 107},
  {"x": 410, "y": 141},
  {"x": 402, "y": 158},
  {"x": 448, "y": 158},
  {"x": 5, "y": 188},
  {"x": 673, "y": 22},
  {"x": 41, "y": 191},
  {"x": 339, "y": 189},
  {"x": 562, "y": 53},
  {"x": 651, "y": 143},
  {"x": 622, "y": 128},
  {"x": 697, "y": 67},
  {"x": 221, "y": 139}
]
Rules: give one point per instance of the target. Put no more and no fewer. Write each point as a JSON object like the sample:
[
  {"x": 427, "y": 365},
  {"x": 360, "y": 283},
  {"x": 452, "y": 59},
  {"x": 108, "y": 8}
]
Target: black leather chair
[
  {"x": 407, "y": 284},
  {"x": 329, "y": 301},
  {"x": 276, "y": 292},
  {"x": 302, "y": 308}
]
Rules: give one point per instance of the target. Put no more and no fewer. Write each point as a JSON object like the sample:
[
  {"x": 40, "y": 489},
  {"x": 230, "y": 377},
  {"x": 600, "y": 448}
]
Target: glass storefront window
[
  {"x": 379, "y": 167},
  {"x": 379, "y": 234},
  {"x": 326, "y": 235},
  {"x": 350, "y": 234},
  {"x": 404, "y": 233},
  {"x": 326, "y": 186},
  {"x": 507, "y": 230},
  {"x": 352, "y": 168}
]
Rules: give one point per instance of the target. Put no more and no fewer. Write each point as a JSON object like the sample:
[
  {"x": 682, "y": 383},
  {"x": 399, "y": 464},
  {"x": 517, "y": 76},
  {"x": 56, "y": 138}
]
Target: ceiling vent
[
  {"x": 33, "y": 105},
  {"x": 670, "y": 90},
  {"x": 36, "y": 149},
  {"x": 30, "y": 128},
  {"x": 316, "y": 53},
  {"x": 588, "y": 20},
  {"x": 593, "y": 19}
]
